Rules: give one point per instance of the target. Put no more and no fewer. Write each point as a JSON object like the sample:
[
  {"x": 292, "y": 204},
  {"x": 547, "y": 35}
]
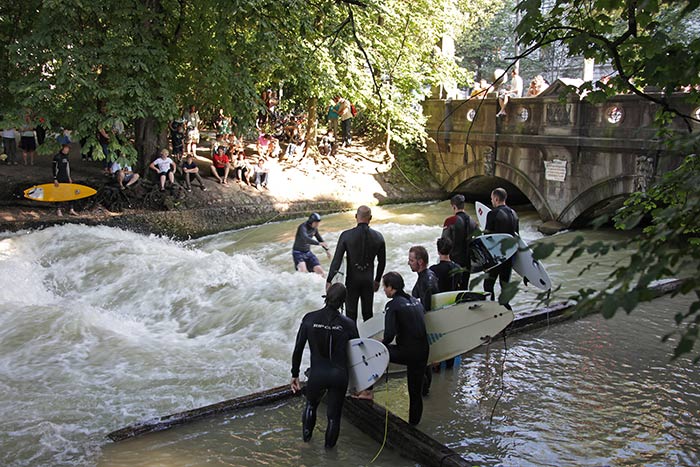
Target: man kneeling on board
[
  {"x": 328, "y": 333},
  {"x": 404, "y": 320}
]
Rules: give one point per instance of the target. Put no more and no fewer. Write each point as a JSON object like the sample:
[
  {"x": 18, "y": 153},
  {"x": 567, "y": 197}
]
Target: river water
[{"x": 100, "y": 328}]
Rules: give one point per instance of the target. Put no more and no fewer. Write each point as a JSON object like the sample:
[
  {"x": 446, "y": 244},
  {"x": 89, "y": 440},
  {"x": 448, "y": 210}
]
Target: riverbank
[{"x": 356, "y": 175}]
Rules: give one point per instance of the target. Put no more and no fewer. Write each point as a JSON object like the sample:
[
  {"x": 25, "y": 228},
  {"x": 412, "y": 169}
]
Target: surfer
[
  {"x": 362, "y": 245},
  {"x": 404, "y": 321},
  {"x": 447, "y": 271},
  {"x": 427, "y": 283},
  {"x": 459, "y": 228},
  {"x": 501, "y": 219},
  {"x": 307, "y": 235},
  {"x": 327, "y": 332},
  {"x": 61, "y": 174}
]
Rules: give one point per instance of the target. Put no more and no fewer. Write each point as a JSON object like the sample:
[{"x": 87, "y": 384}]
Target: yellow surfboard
[{"x": 50, "y": 193}]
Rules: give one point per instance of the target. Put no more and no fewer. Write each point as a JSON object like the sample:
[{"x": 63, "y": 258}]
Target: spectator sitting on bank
[
  {"x": 189, "y": 170},
  {"x": 515, "y": 90},
  {"x": 124, "y": 175},
  {"x": 481, "y": 89},
  {"x": 327, "y": 145},
  {"x": 242, "y": 169},
  {"x": 263, "y": 144},
  {"x": 261, "y": 173},
  {"x": 275, "y": 150},
  {"x": 221, "y": 165},
  {"x": 165, "y": 168}
]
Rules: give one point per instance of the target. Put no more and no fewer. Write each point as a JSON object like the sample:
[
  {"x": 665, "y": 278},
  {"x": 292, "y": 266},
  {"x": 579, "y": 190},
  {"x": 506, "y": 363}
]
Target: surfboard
[
  {"x": 462, "y": 327},
  {"x": 452, "y": 330},
  {"x": 488, "y": 251},
  {"x": 441, "y": 300},
  {"x": 530, "y": 269},
  {"x": 50, "y": 193},
  {"x": 367, "y": 362}
]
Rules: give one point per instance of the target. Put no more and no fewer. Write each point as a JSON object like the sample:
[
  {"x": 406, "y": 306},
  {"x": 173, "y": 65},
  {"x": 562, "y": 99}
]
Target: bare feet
[
  {"x": 365, "y": 395},
  {"x": 59, "y": 213},
  {"x": 72, "y": 212}
]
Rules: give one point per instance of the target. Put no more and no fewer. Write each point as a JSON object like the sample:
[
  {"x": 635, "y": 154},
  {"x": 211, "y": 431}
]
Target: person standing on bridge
[
  {"x": 327, "y": 331},
  {"x": 363, "y": 245},
  {"x": 501, "y": 219}
]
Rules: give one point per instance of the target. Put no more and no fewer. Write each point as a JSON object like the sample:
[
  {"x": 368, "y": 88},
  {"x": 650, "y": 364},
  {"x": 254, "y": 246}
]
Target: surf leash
[
  {"x": 386, "y": 419},
  {"x": 502, "y": 388}
]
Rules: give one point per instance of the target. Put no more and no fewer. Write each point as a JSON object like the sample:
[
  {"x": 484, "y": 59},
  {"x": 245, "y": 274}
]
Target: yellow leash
[{"x": 386, "y": 420}]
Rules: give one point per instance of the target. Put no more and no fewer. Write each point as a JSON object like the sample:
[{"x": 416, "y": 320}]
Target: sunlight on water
[{"x": 101, "y": 327}]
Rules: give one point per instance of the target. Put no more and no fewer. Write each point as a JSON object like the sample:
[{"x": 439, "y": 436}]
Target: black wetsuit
[
  {"x": 426, "y": 286},
  {"x": 328, "y": 333},
  {"x": 404, "y": 320},
  {"x": 501, "y": 219},
  {"x": 306, "y": 235},
  {"x": 362, "y": 245},
  {"x": 447, "y": 275},
  {"x": 61, "y": 168},
  {"x": 460, "y": 233}
]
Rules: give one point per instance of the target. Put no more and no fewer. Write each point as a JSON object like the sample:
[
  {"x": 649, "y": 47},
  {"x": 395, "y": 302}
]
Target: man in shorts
[
  {"x": 307, "y": 235},
  {"x": 220, "y": 165},
  {"x": 165, "y": 168}
]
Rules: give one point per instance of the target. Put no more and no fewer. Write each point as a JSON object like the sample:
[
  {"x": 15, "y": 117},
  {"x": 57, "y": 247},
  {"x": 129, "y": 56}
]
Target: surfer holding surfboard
[
  {"x": 328, "y": 332},
  {"x": 501, "y": 219},
  {"x": 61, "y": 174}
]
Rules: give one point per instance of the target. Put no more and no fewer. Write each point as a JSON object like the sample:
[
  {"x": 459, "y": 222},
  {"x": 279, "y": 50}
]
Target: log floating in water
[
  {"x": 163, "y": 423},
  {"x": 405, "y": 439}
]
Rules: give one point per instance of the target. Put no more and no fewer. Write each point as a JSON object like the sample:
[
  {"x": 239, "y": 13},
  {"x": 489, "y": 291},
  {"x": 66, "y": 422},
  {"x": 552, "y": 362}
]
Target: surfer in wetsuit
[
  {"x": 427, "y": 283},
  {"x": 61, "y": 174},
  {"x": 459, "y": 229},
  {"x": 501, "y": 219},
  {"x": 327, "y": 332},
  {"x": 447, "y": 271},
  {"x": 307, "y": 235},
  {"x": 362, "y": 245},
  {"x": 404, "y": 321}
]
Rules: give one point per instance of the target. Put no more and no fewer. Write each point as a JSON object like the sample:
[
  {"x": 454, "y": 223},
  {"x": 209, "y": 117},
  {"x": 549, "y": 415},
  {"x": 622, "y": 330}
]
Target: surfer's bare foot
[
  {"x": 59, "y": 213},
  {"x": 72, "y": 212},
  {"x": 366, "y": 395}
]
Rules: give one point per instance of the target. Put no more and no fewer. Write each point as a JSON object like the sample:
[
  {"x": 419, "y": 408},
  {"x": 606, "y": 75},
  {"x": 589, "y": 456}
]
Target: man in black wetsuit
[
  {"x": 447, "y": 271},
  {"x": 362, "y": 245},
  {"x": 327, "y": 332},
  {"x": 459, "y": 229},
  {"x": 427, "y": 283},
  {"x": 61, "y": 174},
  {"x": 307, "y": 235},
  {"x": 501, "y": 219},
  {"x": 404, "y": 321}
]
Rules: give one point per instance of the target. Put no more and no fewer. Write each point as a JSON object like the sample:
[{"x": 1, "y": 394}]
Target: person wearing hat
[
  {"x": 307, "y": 235},
  {"x": 327, "y": 331}
]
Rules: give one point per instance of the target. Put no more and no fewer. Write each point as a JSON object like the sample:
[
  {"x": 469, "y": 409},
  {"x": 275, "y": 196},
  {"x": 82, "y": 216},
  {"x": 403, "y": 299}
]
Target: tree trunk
[
  {"x": 148, "y": 141},
  {"x": 311, "y": 122}
]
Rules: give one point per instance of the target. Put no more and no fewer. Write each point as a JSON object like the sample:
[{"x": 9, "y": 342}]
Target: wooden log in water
[
  {"x": 163, "y": 423},
  {"x": 405, "y": 439}
]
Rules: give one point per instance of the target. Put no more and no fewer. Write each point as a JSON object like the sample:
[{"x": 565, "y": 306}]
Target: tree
[
  {"x": 636, "y": 38},
  {"x": 84, "y": 65}
]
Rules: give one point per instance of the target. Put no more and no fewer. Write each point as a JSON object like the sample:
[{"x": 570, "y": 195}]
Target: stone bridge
[{"x": 570, "y": 159}]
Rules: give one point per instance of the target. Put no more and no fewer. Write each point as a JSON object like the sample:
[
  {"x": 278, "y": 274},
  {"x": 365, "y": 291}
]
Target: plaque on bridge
[{"x": 555, "y": 170}]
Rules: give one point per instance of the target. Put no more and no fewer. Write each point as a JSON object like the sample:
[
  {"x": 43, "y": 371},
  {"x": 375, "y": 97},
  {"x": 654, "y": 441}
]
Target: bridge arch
[{"x": 597, "y": 199}]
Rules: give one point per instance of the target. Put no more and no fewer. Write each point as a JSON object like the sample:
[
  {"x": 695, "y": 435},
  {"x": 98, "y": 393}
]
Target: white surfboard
[
  {"x": 367, "y": 362},
  {"x": 453, "y": 330},
  {"x": 462, "y": 327},
  {"x": 531, "y": 270},
  {"x": 441, "y": 300},
  {"x": 488, "y": 251}
]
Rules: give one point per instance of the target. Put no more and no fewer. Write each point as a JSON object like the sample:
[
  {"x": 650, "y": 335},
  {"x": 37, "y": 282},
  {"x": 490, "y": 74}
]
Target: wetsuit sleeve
[
  {"x": 389, "y": 325},
  {"x": 308, "y": 238},
  {"x": 299, "y": 350},
  {"x": 381, "y": 260},
  {"x": 490, "y": 221},
  {"x": 337, "y": 258},
  {"x": 318, "y": 237},
  {"x": 426, "y": 296}
]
